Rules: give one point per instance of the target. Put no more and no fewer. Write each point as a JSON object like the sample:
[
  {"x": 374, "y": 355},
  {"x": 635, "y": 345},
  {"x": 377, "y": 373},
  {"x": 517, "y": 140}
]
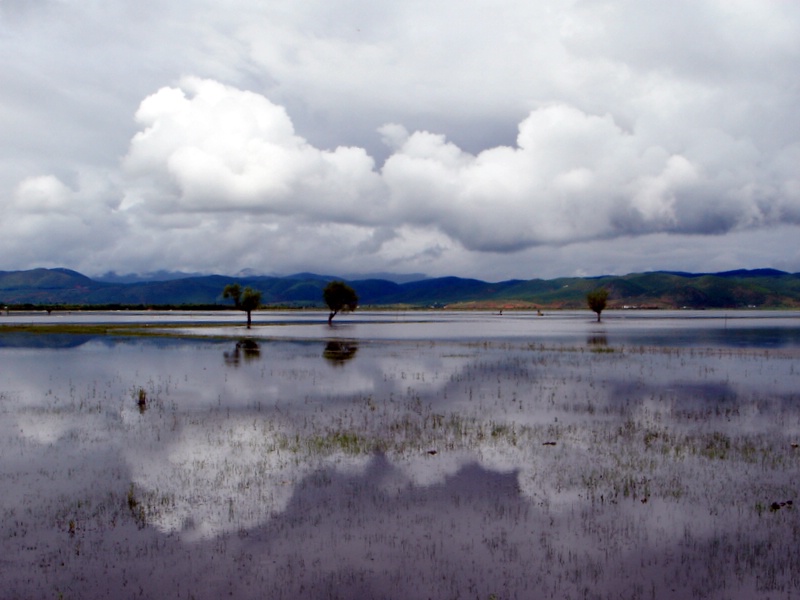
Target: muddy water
[{"x": 406, "y": 456}]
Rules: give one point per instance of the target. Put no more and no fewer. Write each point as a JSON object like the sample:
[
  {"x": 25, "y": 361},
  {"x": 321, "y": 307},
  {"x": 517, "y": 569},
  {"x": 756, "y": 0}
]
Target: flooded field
[{"x": 402, "y": 455}]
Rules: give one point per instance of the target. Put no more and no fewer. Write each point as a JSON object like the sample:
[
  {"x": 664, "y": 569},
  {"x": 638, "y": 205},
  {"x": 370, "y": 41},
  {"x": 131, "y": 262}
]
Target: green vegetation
[
  {"x": 247, "y": 300},
  {"x": 339, "y": 297},
  {"x": 596, "y": 299},
  {"x": 60, "y": 289}
]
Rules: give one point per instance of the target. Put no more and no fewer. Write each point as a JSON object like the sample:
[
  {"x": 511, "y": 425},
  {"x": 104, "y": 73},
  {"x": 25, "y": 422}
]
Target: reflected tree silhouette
[
  {"x": 597, "y": 340},
  {"x": 338, "y": 352},
  {"x": 246, "y": 349}
]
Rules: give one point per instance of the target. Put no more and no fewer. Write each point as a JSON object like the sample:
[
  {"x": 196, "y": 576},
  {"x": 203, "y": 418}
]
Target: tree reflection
[
  {"x": 597, "y": 340},
  {"x": 245, "y": 349},
  {"x": 338, "y": 352}
]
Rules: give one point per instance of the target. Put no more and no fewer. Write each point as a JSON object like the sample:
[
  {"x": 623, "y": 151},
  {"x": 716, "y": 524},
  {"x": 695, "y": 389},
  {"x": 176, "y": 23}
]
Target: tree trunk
[
  {"x": 330, "y": 317},
  {"x": 248, "y": 319}
]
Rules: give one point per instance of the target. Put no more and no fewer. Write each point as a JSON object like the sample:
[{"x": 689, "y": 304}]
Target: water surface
[{"x": 405, "y": 456}]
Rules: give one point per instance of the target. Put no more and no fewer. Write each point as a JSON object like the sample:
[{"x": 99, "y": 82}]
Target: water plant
[
  {"x": 141, "y": 399},
  {"x": 417, "y": 470}
]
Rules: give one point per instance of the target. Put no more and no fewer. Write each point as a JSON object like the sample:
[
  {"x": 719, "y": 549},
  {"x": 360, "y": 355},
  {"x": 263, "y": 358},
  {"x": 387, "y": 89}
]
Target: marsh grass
[
  {"x": 416, "y": 469},
  {"x": 141, "y": 399}
]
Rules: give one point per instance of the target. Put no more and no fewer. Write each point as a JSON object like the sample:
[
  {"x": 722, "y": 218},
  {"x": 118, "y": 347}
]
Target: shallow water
[
  {"x": 650, "y": 327},
  {"x": 405, "y": 456}
]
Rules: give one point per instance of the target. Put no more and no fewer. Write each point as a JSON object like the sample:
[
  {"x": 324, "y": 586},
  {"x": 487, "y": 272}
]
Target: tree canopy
[
  {"x": 247, "y": 300},
  {"x": 339, "y": 297},
  {"x": 596, "y": 299}
]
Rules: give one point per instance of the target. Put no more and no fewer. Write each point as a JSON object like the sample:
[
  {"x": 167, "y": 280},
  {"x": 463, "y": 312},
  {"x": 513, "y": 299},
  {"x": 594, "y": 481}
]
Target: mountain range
[{"x": 760, "y": 288}]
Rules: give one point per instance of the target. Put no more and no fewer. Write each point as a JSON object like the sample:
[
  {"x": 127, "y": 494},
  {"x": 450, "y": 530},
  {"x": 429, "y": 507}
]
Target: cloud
[
  {"x": 358, "y": 136},
  {"x": 42, "y": 194},
  {"x": 208, "y": 148},
  {"x": 214, "y": 161},
  {"x": 576, "y": 177},
  {"x": 48, "y": 223}
]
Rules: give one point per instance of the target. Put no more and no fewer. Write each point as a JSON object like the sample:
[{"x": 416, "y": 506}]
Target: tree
[
  {"x": 247, "y": 300},
  {"x": 339, "y": 297},
  {"x": 339, "y": 352},
  {"x": 597, "y": 300}
]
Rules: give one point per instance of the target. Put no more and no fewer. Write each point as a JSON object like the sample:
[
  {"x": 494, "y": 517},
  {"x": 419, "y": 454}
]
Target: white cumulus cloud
[{"x": 526, "y": 140}]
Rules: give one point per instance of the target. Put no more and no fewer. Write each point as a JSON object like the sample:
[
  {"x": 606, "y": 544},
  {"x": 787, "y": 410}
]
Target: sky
[{"x": 497, "y": 140}]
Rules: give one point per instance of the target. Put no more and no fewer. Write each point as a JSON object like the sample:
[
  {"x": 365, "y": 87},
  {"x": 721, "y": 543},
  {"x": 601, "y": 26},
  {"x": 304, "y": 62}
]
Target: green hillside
[{"x": 764, "y": 288}]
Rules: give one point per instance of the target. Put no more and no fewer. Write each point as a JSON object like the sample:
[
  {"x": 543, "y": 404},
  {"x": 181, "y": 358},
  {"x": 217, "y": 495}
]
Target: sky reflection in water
[{"x": 627, "y": 457}]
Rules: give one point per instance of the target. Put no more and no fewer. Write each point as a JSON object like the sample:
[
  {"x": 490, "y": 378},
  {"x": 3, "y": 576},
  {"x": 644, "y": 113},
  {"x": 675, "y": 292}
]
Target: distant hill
[
  {"x": 112, "y": 277},
  {"x": 761, "y": 288}
]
